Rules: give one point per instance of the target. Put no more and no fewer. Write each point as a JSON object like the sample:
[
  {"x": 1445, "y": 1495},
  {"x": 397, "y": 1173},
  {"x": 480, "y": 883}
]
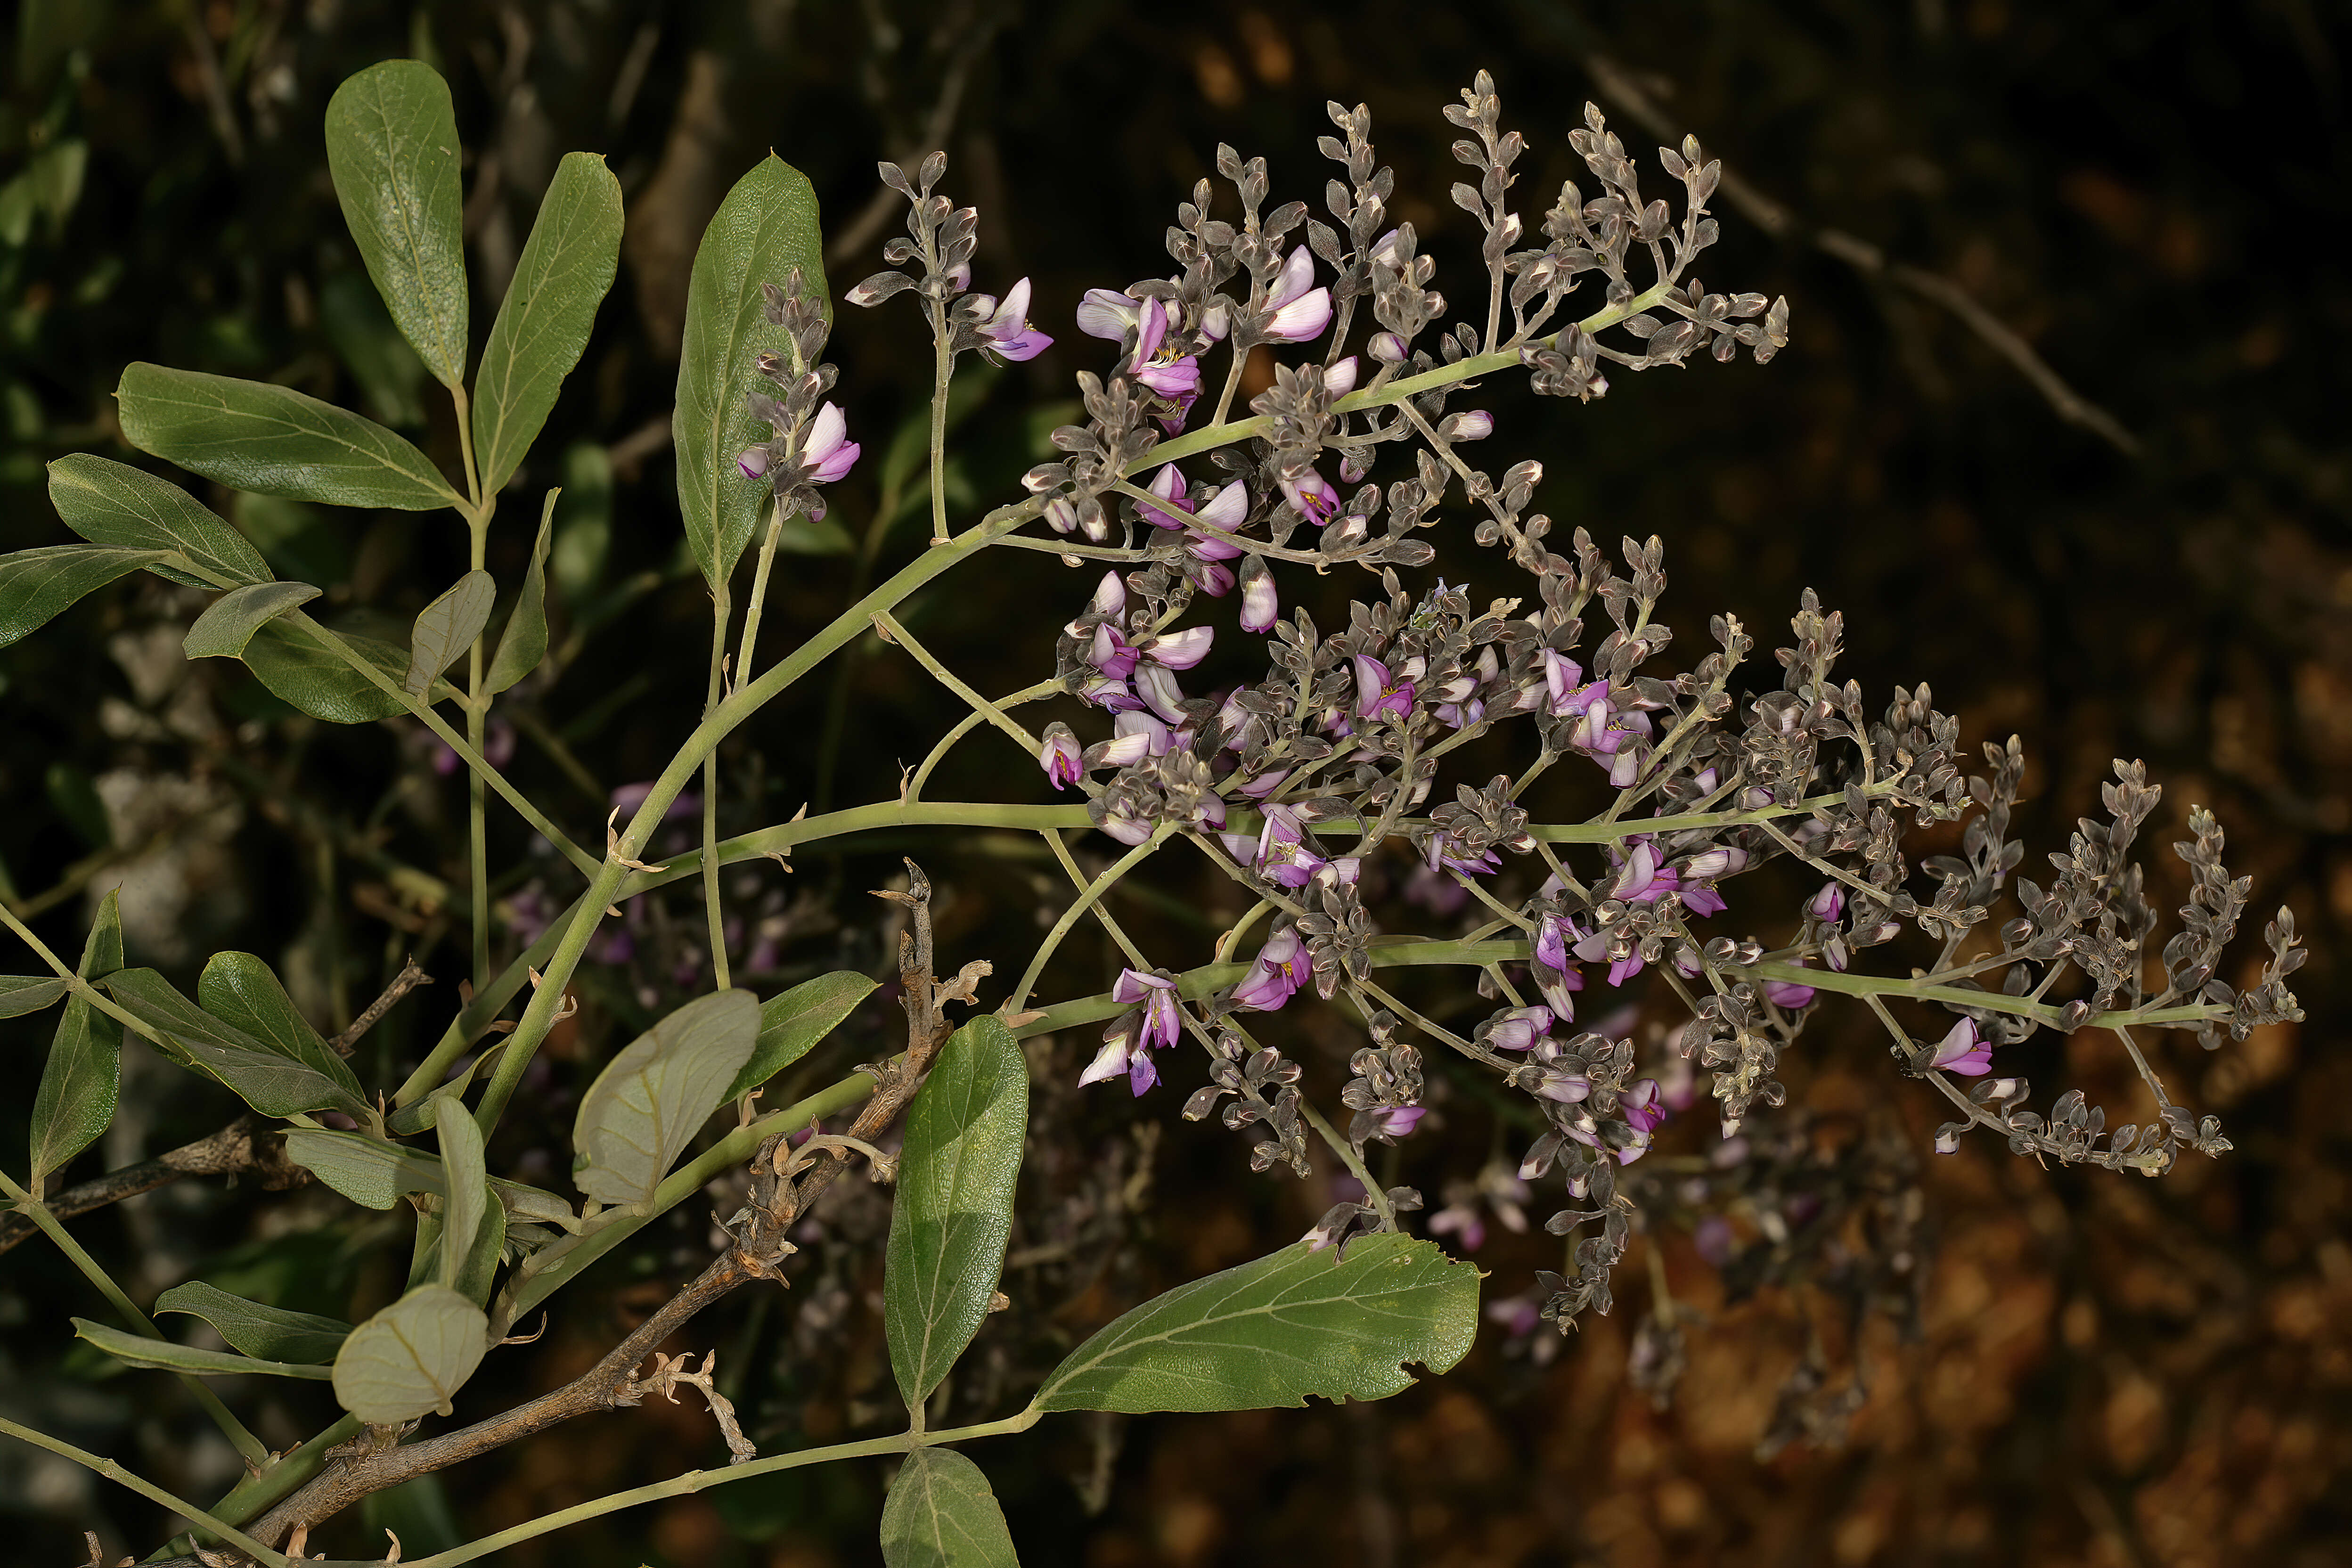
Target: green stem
[
  {"x": 694, "y": 1481},
  {"x": 154, "y": 1493},
  {"x": 894, "y": 632},
  {"x": 1078, "y": 907},
  {"x": 252, "y": 1447},
  {"x": 448, "y": 737},
  {"x": 256, "y": 1492},
  {"x": 942, "y": 373},
  {"x": 1850, "y": 984},
  {"x": 720, "y": 613},
  {"x": 478, "y": 712}
]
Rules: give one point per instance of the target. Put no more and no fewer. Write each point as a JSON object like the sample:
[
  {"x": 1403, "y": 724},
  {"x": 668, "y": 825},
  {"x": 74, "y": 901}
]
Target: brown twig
[
  {"x": 1617, "y": 85},
  {"x": 781, "y": 1191},
  {"x": 412, "y": 975}
]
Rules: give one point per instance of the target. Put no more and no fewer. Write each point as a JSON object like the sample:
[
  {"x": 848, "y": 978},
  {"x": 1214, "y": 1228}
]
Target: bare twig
[
  {"x": 234, "y": 1149},
  {"x": 412, "y": 975},
  {"x": 1616, "y": 84}
]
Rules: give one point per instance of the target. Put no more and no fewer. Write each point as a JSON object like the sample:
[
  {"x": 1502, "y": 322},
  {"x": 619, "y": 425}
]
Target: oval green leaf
[
  {"x": 1274, "y": 1331},
  {"x": 23, "y": 994},
  {"x": 241, "y": 991},
  {"x": 942, "y": 1514},
  {"x": 294, "y": 659},
  {"x": 108, "y": 502},
  {"x": 566, "y": 269},
  {"x": 81, "y": 1081},
  {"x": 274, "y": 441},
  {"x": 36, "y": 586},
  {"x": 765, "y": 228},
  {"x": 953, "y": 1211},
  {"x": 271, "y": 1333},
  {"x": 648, "y": 1103},
  {"x": 447, "y": 628},
  {"x": 523, "y": 643},
  {"x": 271, "y": 1084},
  {"x": 229, "y": 622},
  {"x": 412, "y": 1358},
  {"x": 391, "y": 148},
  {"x": 792, "y": 1023},
  {"x": 164, "y": 1356},
  {"x": 372, "y": 1173}
]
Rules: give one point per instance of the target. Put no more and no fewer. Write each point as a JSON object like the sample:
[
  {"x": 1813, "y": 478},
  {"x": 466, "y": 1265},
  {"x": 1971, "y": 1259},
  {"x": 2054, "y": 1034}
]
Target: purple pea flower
[
  {"x": 1396, "y": 1120},
  {"x": 1260, "y": 605},
  {"x": 1299, "y": 312},
  {"x": 1004, "y": 330},
  {"x": 1058, "y": 754},
  {"x": 1162, "y": 1023},
  {"x": 752, "y": 463},
  {"x": 1520, "y": 1028},
  {"x": 1788, "y": 994},
  {"x": 1442, "y": 854},
  {"x": 1279, "y": 970},
  {"x": 1829, "y": 904},
  {"x": 1378, "y": 692},
  {"x": 1282, "y": 853},
  {"x": 1313, "y": 497},
  {"x": 1963, "y": 1051},
  {"x": 1339, "y": 380},
  {"x": 827, "y": 448},
  {"x": 1169, "y": 486}
]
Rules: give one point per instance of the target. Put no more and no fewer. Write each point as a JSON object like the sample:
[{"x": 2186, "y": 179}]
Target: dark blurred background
[{"x": 2061, "y": 430}]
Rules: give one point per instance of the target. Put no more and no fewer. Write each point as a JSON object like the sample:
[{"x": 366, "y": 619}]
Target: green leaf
[
  {"x": 392, "y": 147},
  {"x": 271, "y": 1333},
  {"x": 953, "y": 1212},
  {"x": 272, "y": 1084},
  {"x": 294, "y": 661},
  {"x": 388, "y": 371},
  {"x": 136, "y": 1350},
  {"x": 37, "y": 584},
  {"x": 368, "y": 1171},
  {"x": 942, "y": 1514},
  {"x": 523, "y": 643},
  {"x": 1274, "y": 1331},
  {"x": 112, "y": 504},
  {"x": 468, "y": 1190},
  {"x": 648, "y": 1103},
  {"x": 411, "y": 1358},
  {"x": 274, "y": 441},
  {"x": 447, "y": 628},
  {"x": 83, "y": 1079},
  {"x": 242, "y": 992},
  {"x": 477, "y": 1270},
  {"x": 792, "y": 1023},
  {"x": 567, "y": 267},
  {"x": 229, "y": 622},
  {"x": 765, "y": 228},
  {"x": 23, "y": 994}
]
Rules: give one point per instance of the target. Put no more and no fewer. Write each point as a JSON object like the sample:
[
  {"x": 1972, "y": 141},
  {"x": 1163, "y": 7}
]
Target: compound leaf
[{"x": 1274, "y": 1330}]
